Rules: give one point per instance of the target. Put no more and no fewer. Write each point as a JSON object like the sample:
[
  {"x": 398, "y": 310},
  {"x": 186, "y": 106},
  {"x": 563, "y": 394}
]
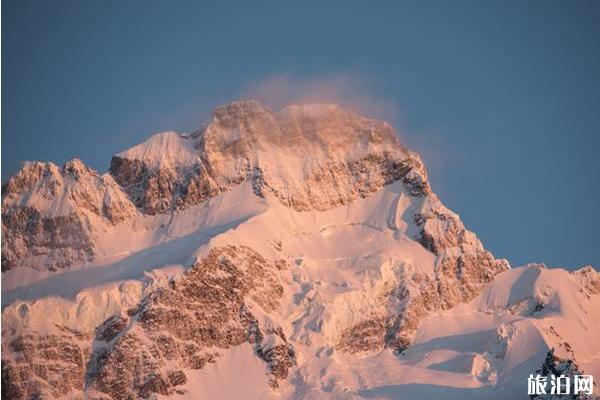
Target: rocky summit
[{"x": 293, "y": 254}]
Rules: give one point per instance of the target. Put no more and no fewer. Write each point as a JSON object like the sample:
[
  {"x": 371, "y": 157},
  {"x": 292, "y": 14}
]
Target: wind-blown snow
[
  {"x": 164, "y": 150},
  {"x": 349, "y": 262},
  {"x": 345, "y": 258}
]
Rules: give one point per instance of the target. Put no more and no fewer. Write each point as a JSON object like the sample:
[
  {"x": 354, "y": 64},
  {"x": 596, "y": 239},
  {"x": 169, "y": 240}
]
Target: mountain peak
[
  {"x": 76, "y": 168},
  {"x": 163, "y": 150},
  {"x": 240, "y": 112},
  {"x": 183, "y": 222},
  {"x": 247, "y": 127},
  {"x": 312, "y": 109},
  {"x": 284, "y": 241},
  {"x": 307, "y": 157}
]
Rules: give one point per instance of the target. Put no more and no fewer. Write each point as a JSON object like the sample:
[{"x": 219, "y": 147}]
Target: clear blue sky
[{"x": 502, "y": 98}]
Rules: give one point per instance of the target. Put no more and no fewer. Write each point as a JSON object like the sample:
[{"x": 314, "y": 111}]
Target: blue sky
[{"x": 501, "y": 98}]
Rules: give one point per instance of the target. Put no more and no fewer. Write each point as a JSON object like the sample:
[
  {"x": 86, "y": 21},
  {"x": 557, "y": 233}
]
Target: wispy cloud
[{"x": 350, "y": 90}]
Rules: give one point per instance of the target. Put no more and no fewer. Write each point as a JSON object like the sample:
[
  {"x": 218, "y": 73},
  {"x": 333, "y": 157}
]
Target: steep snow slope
[
  {"x": 309, "y": 157},
  {"x": 48, "y": 214},
  {"x": 298, "y": 254}
]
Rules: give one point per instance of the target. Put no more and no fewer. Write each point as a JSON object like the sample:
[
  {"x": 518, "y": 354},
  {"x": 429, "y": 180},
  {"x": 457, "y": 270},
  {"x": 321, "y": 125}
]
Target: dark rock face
[
  {"x": 47, "y": 366},
  {"x": 368, "y": 335},
  {"x": 63, "y": 240},
  {"x": 157, "y": 191},
  {"x": 111, "y": 328},
  {"x": 222, "y": 162},
  {"x": 346, "y": 182},
  {"x": 184, "y": 325},
  {"x": 46, "y": 213},
  {"x": 224, "y": 300},
  {"x": 187, "y": 325},
  {"x": 462, "y": 268},
  {"x": 556, "y": 366},
  {"x": 160, "y": 190},
  {"x": 589, "y": 279},
  {"x": 47, "y": 209}
]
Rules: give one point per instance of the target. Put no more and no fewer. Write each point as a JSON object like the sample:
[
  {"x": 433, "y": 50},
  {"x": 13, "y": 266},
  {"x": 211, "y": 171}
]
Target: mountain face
[
  {"x": 301, "y": 253},
  {"x": 46, "y": 214},
  {"x": 311, "y": 157}
]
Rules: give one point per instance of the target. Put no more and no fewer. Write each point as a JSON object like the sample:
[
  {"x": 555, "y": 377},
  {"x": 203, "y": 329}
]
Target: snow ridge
[{"x": 306, "y": 243}]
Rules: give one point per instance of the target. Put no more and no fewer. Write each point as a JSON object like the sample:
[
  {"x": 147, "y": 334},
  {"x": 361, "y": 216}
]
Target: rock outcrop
[
  {"x": 462, "y": 268},
  {"x": 187, "y": 325},
  {"x": 309, "y": 157},
  {"x": 212, "y": 308},
  {"x": 44, "y": 365},
  {"x": 312, "y": 159},
  {"x": 554, "y": 367},
  {"x": 49, "y": 214}
]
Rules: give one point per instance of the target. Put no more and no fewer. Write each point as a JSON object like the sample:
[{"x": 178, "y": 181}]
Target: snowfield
[{"x": 357, "y": 286}]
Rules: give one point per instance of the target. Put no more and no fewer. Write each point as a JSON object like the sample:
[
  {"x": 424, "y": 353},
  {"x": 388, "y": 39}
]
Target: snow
[
  {"x": 344, "y": 263},
  {"x": 140, "y": 244},
  {"x": 344, "y": 259},
  {"x": 238, "y": 374},
  {"x": 164, "y": 150},
  {"x": 314, "y": 110}
]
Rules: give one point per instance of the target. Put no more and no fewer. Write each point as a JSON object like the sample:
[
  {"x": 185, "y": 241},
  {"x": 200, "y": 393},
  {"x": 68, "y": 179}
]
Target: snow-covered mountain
[{"x": 298, "y": 254}]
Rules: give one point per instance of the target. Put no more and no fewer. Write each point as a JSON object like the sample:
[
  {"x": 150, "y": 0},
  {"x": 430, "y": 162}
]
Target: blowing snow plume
[
  {"x": 296, "y": 254},
  {"x": 351, "y": 91}
]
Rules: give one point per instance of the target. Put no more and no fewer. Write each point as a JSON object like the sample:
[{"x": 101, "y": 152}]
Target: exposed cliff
[{"x": 307, "y": 240}]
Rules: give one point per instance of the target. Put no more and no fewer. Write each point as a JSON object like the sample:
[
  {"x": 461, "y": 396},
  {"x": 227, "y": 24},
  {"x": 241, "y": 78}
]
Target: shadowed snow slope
[{"x": 292, "y": 254}]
